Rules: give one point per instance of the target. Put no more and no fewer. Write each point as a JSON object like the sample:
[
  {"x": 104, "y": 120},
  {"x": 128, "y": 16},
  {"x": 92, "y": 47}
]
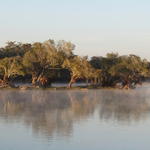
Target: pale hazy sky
[{"x": 94, "y": 26}]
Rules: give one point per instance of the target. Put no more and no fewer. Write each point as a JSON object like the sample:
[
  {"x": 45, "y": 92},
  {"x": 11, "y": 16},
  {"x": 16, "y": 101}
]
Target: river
[{"x": 104, "y": 119}]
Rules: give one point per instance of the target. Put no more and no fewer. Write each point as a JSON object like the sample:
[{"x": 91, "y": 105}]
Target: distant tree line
[{"x": 44, "y": 63}]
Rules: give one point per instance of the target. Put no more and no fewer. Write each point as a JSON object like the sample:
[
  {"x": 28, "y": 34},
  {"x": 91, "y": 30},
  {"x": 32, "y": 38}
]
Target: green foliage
[
  {"x": 80, "y": 68},
  {"x": 125, "y": 69},
  {"x": 56, "y": 60},
  {"x": 45, "y": 59},
  {"x": 11, "y": 66},
  {"x": 66, "y": 47},
  {"x": 13, "y": 49}
]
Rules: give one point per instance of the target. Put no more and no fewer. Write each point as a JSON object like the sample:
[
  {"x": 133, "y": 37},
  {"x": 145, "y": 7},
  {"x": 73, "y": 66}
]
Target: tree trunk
[
  {"x": 34, "y": 80},
  {"x": 73, "y": 80},
  {"x": 5, "y": 78},
  {"x": 70, "y": 84},
  {"x": 39, "y": 77}
]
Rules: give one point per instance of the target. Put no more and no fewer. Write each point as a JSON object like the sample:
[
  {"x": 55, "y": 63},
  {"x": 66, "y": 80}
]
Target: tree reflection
[
  {"x": 123, "y": 106},
  {"x": 55, "y": 112}
]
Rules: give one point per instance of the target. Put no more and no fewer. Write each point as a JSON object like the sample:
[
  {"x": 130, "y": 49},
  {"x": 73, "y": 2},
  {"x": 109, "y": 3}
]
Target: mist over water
[{"x": 75, "y": 119}]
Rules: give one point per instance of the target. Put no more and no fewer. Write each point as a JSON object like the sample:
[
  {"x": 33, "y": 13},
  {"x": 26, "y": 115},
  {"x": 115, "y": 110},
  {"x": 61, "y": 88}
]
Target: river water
[{"x": 105, "y": 119}]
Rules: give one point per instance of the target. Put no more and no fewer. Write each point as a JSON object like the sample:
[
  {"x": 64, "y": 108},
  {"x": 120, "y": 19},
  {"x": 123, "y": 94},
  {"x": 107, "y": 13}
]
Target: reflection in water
[
  {"x": 55, "y": 112},
  {"x": 124, "y": 106}
]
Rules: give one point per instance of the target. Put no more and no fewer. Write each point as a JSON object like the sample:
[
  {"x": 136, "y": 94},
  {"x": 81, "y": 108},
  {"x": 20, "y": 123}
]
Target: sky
[{"x": 96, "y": 27}]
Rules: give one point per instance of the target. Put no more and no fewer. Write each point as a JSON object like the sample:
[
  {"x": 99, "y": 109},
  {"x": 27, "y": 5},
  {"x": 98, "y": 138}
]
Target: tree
[
  {"x": 43, "y": 60},
  {"x": 55, "y": 57},
  {"x": 50, "y": 61},
  {"x": 79, "y": 68},
  {"x": 129, "y": 70},
  {"x": 11, "y": 66},
  {"x": 35, "y": 62},
  {"x": 13, "y": 49},
  {"x": 66, "y": 47},
  {"x": 104, "y": 64}
]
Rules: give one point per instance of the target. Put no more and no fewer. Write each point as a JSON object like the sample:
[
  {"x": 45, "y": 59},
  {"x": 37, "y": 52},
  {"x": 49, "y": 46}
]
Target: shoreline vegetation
[{"x": 38, "y": 65}]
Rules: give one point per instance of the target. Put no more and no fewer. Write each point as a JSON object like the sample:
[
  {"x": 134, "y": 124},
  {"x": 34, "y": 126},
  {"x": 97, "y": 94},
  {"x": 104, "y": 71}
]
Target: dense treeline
[{"x": 44, "y": 63}]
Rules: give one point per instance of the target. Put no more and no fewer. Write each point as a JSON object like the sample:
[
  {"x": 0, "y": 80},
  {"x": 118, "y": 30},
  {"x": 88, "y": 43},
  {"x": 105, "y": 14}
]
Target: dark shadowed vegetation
[{"x": 50, "y": 61}]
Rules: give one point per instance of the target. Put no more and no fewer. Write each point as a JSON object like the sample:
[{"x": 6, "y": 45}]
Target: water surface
[{"x": 75, "y": 119}]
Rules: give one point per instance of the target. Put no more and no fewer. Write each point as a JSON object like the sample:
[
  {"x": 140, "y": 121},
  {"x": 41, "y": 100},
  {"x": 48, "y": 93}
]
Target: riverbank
[
  {"x": 58, "y": 86},
  {"x": 63, "y": 86}
]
